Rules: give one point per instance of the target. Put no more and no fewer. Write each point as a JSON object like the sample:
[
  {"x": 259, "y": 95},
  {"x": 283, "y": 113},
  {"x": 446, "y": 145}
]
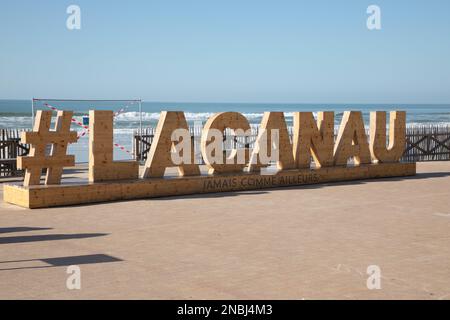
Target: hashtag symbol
[{"x": 39, "y": 139}]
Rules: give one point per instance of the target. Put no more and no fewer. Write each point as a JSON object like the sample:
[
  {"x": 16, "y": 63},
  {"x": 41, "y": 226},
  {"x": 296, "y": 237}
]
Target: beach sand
[{"x": 308, "y": 242}]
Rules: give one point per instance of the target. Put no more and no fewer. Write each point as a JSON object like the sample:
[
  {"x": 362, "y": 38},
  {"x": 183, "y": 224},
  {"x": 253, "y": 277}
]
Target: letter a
[
  {"x": 352, "y": 140},
  {"x": 374, "y": 20},
  {"x": 160, "y": 155},
  {"x": 73, "y": 282},
  {"x": 73, "y": 21},
  {"x": 280, "y": 150}
]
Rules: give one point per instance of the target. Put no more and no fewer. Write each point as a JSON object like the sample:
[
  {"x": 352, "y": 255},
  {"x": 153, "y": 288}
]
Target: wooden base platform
[{"x": 73, "y": 194}]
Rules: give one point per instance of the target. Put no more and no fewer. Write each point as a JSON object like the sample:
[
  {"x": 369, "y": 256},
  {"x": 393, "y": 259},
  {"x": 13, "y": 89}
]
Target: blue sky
[{"x": 227, "y": 51}]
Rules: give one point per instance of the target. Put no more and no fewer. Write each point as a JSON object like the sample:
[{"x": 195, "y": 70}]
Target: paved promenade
[{"x": 305, "y": 242}]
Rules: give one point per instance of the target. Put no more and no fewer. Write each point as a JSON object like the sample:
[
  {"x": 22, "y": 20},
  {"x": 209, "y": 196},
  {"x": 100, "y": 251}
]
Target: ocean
[{"x": 17, "y": 114}]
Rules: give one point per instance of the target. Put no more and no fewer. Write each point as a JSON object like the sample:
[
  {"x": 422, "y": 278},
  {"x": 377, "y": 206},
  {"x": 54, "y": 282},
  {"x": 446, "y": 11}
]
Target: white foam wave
[
  {"x": 190, "y": 116},
  {"x": 128, "y": 121},
  {"x": 15, "y": 122},
  {"x": 428, "y": 123}
]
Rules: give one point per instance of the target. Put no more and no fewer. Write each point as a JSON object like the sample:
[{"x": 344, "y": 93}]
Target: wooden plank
[
  {"x": 397, "y": 136},
  {"x": 40, "y": 138},
  {"x": 351, "y": 142},
  {"x": 102, "y": 166},
  {"x": 212, "y": 150},
  {"x": 285, "y": 159},
  {"x": 426, "y": 142},
  {"x": 313, "y": 140},
  {"x": 60, "y": 195},
  {"x": 159, "y": 157}
]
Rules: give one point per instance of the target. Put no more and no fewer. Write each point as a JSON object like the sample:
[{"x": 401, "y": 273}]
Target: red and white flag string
[
  {"x": 86, "y": 128},
  {"x": 123, "y": 109}
]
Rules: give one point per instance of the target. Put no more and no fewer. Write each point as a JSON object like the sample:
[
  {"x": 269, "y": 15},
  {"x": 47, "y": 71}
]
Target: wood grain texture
[
  {"x": 273, "y": 137},
  {"x": 218, "y": 123},
  {"x": 49, "y": 196},
  {"x": 351, "y": 142},
  {"x": 39, "y": 139},
  {"x": 397, "y": 136},
  {"x": 313, "y": 139},
  {"x": 159, "y": 157},
  {"x": 102, "y": 166}
]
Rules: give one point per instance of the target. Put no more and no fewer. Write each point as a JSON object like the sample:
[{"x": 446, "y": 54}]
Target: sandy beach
[{"x": 310, "y": 242}]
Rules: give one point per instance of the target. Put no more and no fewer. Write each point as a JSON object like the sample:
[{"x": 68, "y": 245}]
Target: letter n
[
  {"x": 313, "y": 140},
  {"x": 160, "y": 155}
]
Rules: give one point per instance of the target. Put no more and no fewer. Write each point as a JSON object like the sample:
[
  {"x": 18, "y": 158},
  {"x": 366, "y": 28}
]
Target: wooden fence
[
  {"x": 423, "y": 142},
  {"x": 10, "y": 149}
]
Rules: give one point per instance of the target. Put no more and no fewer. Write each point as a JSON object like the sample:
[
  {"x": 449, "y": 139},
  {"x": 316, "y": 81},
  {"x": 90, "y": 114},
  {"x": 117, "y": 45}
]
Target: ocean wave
[
  {"x": 190, "y": 116},
  {"x": 129, "y": 121},
  {"x": 428, "y": 123},
  {"x": 15, "y": 122}
]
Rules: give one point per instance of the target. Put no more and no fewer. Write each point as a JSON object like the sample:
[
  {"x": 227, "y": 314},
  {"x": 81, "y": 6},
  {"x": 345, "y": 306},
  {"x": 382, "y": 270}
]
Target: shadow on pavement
[
  {"x": 64, "y": 261},
  {"x": 49, "y": 237}
]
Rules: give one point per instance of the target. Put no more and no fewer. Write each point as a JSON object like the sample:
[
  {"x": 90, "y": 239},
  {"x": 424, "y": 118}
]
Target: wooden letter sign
[
  {"x": 311, "y": 155},
  {"x": 101, "y": 164}
]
